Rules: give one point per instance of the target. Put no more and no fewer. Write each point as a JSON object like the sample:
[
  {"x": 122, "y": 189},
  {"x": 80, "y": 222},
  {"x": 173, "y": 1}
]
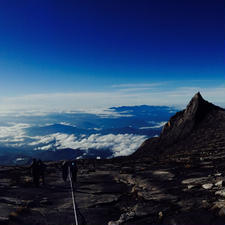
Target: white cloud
[
  {"x": 120, "y": 144},
  {"x": 44, "y": 139},
  {"x": 13, "y": 135},
  {"x": 67, "y": 124},
  {"x": 97, "y": 102},
  {"x": 139, "y": 85},
  {"x": 45, "y": 147},
  {"x": 145, "y": 128},
  {"x": 157, "y": 125}
]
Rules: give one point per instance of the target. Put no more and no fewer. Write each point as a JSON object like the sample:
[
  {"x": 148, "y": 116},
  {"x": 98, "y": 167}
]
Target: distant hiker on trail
[
  {"x": 35, "y": 172},
  {"x": 73, "y": 171},
  {"x": 41, "y": 171},
  {"x": 69, "y": 167},
  {"x": 65, "y": 167}
]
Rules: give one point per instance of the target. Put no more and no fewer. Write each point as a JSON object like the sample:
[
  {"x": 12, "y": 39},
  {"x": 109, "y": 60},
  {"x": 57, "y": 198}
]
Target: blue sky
[{"x": 65, "y": 55}]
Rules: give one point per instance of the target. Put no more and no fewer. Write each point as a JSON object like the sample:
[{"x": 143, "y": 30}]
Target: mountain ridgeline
[{"x": 200, "y": 126}]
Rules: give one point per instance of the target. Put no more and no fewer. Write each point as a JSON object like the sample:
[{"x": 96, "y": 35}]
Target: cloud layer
[
  {"x": 120, "y": 144},
  {"x": 13, "y": 135},
  {"x": 157, "y": 125},
  {"x": 118, "y": 95}
]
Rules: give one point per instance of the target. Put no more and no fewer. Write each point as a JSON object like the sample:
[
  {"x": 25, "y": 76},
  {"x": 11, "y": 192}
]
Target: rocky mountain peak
[
  {"x": 198, "y": 108},
  {"x": 183, "y": 122},
  {"x": 199, "y": 120},
  {"x": 196, "y": 102}
]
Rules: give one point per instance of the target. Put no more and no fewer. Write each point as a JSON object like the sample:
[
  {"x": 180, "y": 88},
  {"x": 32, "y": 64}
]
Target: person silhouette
[
  {"x": 73, "y": 172},
  {"x": 35, "y": 172},
  {"x": 65, "y": 167},
  {"x": 41, "y": 171}
]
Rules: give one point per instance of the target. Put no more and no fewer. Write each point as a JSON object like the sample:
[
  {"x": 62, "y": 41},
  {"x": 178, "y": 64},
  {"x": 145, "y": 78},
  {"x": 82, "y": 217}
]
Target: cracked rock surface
[{"x": 151, "y": 194}]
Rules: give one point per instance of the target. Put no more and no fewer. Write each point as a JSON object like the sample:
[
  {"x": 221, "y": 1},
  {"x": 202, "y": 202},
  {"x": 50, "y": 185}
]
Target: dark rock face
[
  {"x": 180, "y": 125},
  {"x": 176, "y": 179},
  {"x": 198, "y": 115}
]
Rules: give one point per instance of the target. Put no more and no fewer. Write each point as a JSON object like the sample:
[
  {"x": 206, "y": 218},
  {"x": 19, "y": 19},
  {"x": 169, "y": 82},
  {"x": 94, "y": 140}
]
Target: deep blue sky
[{"x": 55, "y": 46}]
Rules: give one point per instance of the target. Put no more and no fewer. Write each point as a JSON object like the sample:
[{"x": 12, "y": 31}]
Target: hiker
[
  {"x": 93, "y": 166},
  {"x": 73, "y": 171},
  {"x": 41, "y": 171},
  {"x": 65, "y": 170},
  {"x": 35, "y": 172}
]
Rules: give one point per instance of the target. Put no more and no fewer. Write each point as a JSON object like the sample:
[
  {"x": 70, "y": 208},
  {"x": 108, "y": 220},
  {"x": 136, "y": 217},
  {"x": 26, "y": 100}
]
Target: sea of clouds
[
  {"x": 120, "y": 144},
  {"x": 15, "y": 136}
]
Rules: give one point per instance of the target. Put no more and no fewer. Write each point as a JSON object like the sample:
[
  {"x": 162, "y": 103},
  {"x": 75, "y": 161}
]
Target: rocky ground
[{"x": 121, "y": 191}]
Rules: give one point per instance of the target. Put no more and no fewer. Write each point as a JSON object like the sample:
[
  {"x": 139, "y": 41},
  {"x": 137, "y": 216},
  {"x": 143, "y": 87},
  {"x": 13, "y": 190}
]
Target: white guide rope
[{"x": 73, "y": 198}]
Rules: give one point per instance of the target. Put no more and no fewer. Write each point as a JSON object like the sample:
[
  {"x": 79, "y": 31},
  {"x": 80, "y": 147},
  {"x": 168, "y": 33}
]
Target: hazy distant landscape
[{"x": 118, "y": 131}]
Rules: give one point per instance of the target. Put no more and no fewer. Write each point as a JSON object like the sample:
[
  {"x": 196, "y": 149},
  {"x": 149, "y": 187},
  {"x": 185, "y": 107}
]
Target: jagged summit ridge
[
  {"x": 198, "y": 107},
  {"x": 195, "y": 104},
  {"x": 201, "y": 120},
  {"x": 183, "y": 122}
]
